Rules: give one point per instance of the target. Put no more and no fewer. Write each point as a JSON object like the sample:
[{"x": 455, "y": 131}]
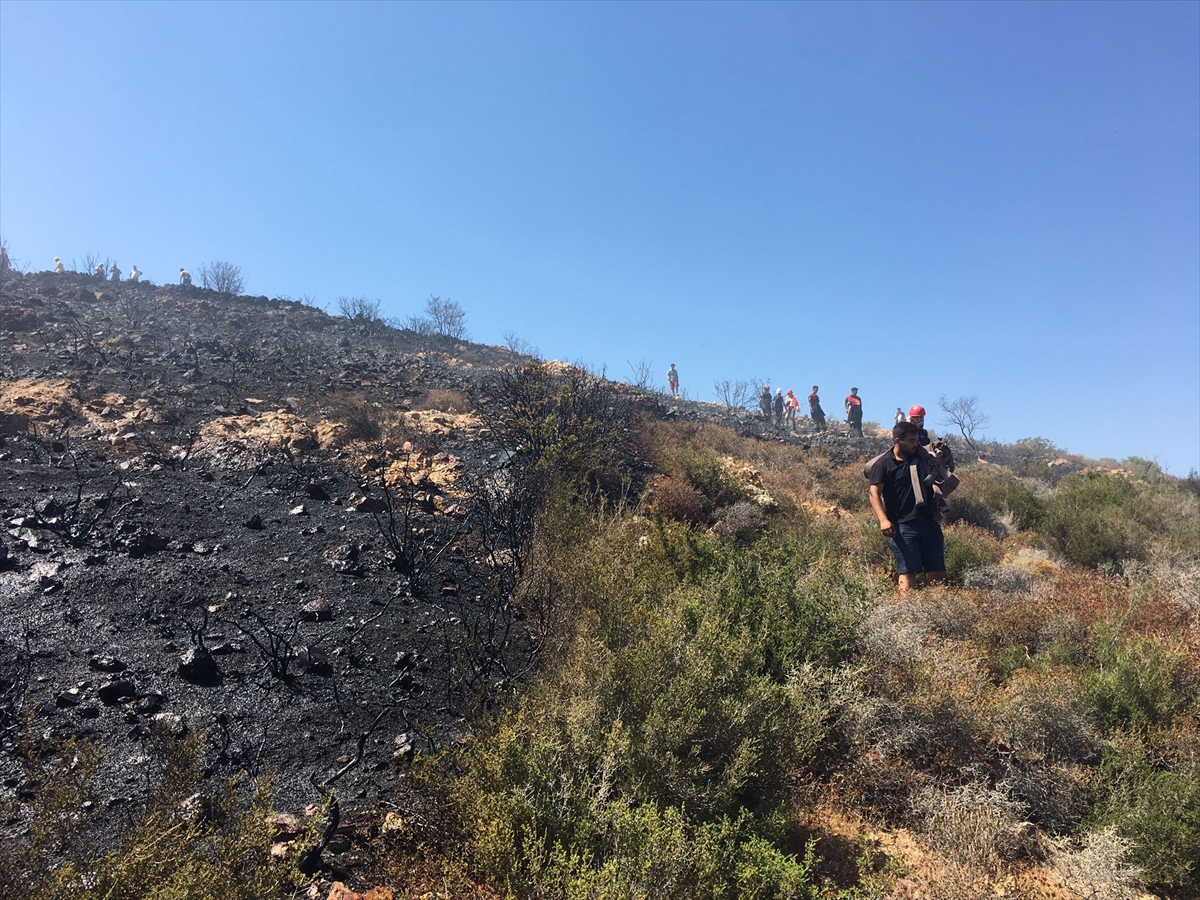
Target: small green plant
[{"x": 967, "y": 548}]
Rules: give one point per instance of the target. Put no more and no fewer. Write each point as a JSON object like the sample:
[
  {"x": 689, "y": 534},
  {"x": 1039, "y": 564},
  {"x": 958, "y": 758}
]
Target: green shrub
[
  {"x": 1096, "y": 518},
  {"x": 1158, "y": 812},
  {"x": 969, "y": 547},
  {"x": 707, "y": 473},
  {"x": 655, "y": 757},
  {"x": 1136, "y": 683}
]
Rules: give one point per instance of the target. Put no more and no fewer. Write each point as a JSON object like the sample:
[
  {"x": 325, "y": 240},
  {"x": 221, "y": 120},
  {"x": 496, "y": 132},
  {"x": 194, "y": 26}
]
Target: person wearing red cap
[{"x": 916, "y": 415}]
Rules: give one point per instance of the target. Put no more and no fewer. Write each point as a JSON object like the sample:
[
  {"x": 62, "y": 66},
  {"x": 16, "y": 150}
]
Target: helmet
[{"x": 916, "y": 410}]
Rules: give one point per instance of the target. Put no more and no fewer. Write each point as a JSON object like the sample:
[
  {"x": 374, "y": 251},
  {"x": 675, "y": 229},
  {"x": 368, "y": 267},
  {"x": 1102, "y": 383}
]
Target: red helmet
[{"x": 916, "y": 410}]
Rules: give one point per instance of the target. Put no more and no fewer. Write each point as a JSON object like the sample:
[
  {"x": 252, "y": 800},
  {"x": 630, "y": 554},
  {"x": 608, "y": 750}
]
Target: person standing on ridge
[
  {"x": 790, "y": 405},
  {"x": 114, "y": 273},
  {"x": 779, "y": 407},
  {"x": 905, "y": 504},
  {"x": 899, "y": 417},
  {"x": 185, "y": 277},
  {"x": 854, "y": 413},
  {"x": 673, "y": 380},
  {"x": 134, "y": 274},
  {"x": 764, "y": 402},
  {"x": 99, "y": 271},
  {"x": 58, "y": 266},
  {"x": 814, "y": 409}
]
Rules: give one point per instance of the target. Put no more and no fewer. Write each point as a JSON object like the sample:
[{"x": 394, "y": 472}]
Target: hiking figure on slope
[
  {"x": 59, "y": 267},
  {"x": 779, "y": 407},
  {"x": 99, "y": 271},
  {"x": 185, "y": 277},
  {"x": 673, "y": 380},
  {"x": 790, "y": 405},
  {"x": 854, "y": 413},
  {"x": 134, "y": 274},
  {"x": 907, "y": 483},
  {"x": 114, "y": 274},
  {"x": 764, "y": 402},
  {"x": 899, "y": 417},
  {"x": 814, "y": 409}
]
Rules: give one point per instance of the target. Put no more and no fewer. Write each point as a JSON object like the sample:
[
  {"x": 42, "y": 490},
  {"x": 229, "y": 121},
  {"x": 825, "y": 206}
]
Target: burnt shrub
[
  {"x": 446, "y": 401},
  {"x": 361, "y": 421},
  {"x": 560, "y": 425},
  {"x": 678, "y": 500}
]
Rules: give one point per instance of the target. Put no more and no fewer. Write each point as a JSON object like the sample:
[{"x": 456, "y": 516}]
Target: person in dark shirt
[
  {"x": 907, "y": 508},
  {"x": 854, "y": 413},
  {"x": 814, "y": 409}
]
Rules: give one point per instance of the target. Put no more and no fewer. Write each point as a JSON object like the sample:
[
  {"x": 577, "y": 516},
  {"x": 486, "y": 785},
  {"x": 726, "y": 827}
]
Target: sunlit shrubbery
[
  {"x": 656, "y": 758},
  {"x": 1098, "y": 518}
]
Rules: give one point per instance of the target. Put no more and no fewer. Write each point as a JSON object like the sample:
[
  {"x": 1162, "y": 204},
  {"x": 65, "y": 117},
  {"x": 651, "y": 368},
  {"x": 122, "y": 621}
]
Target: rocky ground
[{"x": 201, "y": 531}]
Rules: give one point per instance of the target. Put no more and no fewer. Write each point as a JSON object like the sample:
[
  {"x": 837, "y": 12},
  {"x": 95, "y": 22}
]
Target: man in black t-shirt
[{"x": 906, "y": 507}]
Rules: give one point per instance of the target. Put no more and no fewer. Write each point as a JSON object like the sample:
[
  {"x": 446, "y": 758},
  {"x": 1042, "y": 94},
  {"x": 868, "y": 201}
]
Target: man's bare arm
[{"x": 885, "y": 524}]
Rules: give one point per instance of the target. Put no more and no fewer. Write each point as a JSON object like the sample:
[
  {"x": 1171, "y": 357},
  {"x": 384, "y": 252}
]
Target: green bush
[
  {"x": 1135, "y": 683},
  {"x": 967, "y": 548},
  {"x": 1096, "y": 518},
  {"x": 707, "y": 473},
  {"x": 1158, "y": 811},
  {"x": 655, "y": 758}
]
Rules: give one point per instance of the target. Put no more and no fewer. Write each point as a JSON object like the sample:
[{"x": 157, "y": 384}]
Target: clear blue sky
[{"x": 998, "y": 199}]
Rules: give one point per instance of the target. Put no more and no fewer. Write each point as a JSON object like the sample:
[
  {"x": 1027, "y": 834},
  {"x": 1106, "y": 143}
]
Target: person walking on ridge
[
  {"x": 790, "y": 405},
  {"x": 779, "y": 407},
  {"x": 673, "y": 380},
  {"x": 58, "y": 266},
  {"x": 764, "y": 402},
  {"x": 814, "y": 409},
  {"x": 854, "y": 413},
  {"x": 904, "y": 502}
]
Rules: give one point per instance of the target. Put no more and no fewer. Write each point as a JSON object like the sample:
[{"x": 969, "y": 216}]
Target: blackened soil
[{"x": 155, "y": 578}]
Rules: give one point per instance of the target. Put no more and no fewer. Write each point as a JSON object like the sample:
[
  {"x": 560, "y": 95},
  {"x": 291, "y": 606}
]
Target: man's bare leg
[{"x": 904, "y": 583}]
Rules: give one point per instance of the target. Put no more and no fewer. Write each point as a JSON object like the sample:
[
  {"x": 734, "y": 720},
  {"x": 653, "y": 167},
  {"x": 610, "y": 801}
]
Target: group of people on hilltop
[
  {"x": 112, "y": 273},
  {"x": 780, "y": 410}
]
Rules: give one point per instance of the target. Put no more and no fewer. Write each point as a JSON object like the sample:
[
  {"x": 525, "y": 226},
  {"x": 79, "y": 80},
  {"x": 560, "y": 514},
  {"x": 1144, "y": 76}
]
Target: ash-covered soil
[{"x": 196, "y": 519}]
